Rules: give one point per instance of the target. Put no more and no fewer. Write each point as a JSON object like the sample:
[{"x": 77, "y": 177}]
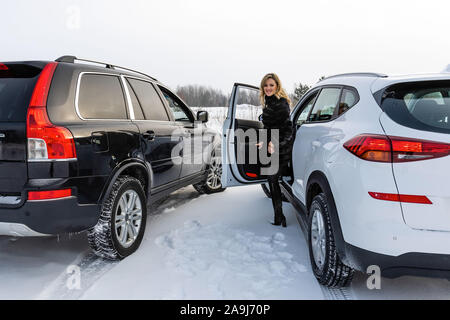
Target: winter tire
[
  {"x": 326, "y": 264},
  {"x": 123, "y": 217}
]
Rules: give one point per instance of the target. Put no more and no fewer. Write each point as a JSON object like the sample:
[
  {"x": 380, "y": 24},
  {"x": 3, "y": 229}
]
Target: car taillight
[
  {"x": 45, "y": 140},
  {"x": 3, "y": 67},
  {"x": 381, "y": 148},
  {"x": 49, "y": 195}
]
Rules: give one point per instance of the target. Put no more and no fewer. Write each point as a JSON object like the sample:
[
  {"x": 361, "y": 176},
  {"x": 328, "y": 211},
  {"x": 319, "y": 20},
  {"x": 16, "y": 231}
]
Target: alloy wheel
[
  {"x": 214, "y": 175},
  {"x": 128, "y": 218},
  {"x": 318, "y": 239}
]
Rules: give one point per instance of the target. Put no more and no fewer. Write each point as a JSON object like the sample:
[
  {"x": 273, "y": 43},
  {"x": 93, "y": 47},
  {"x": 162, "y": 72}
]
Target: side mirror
[
  {"x": 202, "y": 116},
  {"x": 260, "y": 118}
]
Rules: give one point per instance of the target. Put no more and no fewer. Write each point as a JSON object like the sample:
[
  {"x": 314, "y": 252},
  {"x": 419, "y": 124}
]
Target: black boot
[
  {"x": 277, "y": 202},
  {"x": 280, "y": 220}
]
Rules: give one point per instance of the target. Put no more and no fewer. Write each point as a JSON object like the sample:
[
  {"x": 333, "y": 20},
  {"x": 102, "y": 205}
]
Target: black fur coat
[{"x": 276, "y": 116}]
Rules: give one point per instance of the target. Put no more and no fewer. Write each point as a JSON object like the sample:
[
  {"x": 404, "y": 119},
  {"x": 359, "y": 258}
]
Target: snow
[
  {"x": 217, "y": 249},
  {"x": 219, "y": 246}
]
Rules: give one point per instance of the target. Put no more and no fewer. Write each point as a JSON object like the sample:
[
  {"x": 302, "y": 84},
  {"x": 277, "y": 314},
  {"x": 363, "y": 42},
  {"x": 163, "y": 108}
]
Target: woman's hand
[
  {"x": 260, "y": 145},
  {"x": 271, "y": 148}
]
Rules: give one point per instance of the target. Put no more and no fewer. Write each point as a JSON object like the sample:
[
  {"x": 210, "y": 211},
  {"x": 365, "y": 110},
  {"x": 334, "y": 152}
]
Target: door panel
[
  {"x": 313, "y": 126},
  {"x": 242, "y": 162},
  {"x": 159, "y": 148}
]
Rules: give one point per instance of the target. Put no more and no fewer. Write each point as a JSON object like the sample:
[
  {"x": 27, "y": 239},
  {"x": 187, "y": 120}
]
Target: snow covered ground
[{"x": 196, "y": 247}]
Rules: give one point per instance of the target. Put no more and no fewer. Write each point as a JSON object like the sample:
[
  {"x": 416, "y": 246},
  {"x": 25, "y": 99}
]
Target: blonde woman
[{"x": 276, "y": 112}]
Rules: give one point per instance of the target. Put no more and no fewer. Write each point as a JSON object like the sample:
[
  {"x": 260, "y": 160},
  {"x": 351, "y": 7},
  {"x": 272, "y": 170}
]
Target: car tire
[
  {"x": 212, "y": 183},
  {"x": 328, "y": 268},
  {"x": 266, "y": 190},
  {"x": 120, "y": 229}
]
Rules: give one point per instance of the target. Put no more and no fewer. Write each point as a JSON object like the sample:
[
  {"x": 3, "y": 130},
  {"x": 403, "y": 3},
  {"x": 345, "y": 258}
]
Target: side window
[
  {"x": 179, "y": 113},
  {"x": 149, "y": 100},
  {"x": 137, "y": 108},
  {"x": 101, "y": 97},
  {"x": 348, "y": 100},
  {"x": 325, "y": 105},
  {"x": 248, "y": 106},
  {"x": 307, "y": 106}
]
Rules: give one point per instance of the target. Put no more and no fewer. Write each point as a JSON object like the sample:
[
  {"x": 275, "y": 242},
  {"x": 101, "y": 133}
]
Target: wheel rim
[
  {"x": 318, "y": 239},
  {"x": 128, "y": 218},
  {"x": 214, "y": 175}
]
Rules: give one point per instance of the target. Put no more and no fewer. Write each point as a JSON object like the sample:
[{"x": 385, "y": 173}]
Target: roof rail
[
  {"x": 358, "y": 74},
  {"x": 72, "y": 59}
]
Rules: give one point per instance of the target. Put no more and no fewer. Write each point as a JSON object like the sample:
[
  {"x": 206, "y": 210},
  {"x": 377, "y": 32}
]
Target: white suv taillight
[
  {"x": 45, "y": 140},
  {"x": 381, "y": 148}
]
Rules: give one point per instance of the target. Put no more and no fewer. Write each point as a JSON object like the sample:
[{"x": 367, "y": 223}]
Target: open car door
[{"x": 241, "y": 160}]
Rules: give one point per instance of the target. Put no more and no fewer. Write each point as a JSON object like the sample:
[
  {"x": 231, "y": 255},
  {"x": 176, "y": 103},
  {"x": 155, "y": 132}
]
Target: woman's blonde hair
[{"x": 280, "y": 93}]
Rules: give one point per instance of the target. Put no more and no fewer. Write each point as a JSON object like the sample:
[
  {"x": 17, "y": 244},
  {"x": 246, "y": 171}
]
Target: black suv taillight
[{"x": 45, "y": 140}]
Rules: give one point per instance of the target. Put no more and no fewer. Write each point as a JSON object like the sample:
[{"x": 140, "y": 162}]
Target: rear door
[
  {"x": 242, "y": 162},
  {"x": 17, "y": 82},
  {"x": 420, "y": 112},
  {"x": 157, "y": 130}
]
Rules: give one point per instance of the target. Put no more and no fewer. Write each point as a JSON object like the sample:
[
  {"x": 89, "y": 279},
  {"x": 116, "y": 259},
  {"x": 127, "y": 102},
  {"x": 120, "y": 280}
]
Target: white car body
[{"x": 392, "y": 233}]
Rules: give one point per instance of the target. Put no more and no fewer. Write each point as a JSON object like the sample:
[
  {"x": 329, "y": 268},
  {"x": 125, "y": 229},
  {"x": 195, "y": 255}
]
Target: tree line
[
  {"x": 201, "y": 96},
  {"x": 206, "y": 97}
]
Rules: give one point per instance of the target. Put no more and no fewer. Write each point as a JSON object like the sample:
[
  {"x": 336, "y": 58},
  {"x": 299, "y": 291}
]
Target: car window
[
  {"x": 307, "y": 106},
  {"x": 17, "y": 83},
  {"x": 137, "y": 108},
  {"x": 422, "y": 105},
  {"x": 348, "y": 100},
  {"x": 248, "y": 105},
  {"x": 325, "y": 105},
  {"x": 101, "y": 97},
  {"x": 149, "y": 100},
  {"x": 178, "y": 111}
]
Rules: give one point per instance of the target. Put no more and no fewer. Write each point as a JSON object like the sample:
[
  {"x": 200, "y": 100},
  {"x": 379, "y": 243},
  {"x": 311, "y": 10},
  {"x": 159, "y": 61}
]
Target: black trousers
[{"x": 275, "y": 191}]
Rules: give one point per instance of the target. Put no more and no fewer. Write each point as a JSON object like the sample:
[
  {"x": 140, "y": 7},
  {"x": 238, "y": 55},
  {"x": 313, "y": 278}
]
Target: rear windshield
[
  {"x": 17, "y": 83},
  {"x": 419, "y": 105}
]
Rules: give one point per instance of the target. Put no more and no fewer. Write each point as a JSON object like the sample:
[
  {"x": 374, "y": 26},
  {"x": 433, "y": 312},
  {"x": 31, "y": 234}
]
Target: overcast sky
[{"x": 217, "y": 43}]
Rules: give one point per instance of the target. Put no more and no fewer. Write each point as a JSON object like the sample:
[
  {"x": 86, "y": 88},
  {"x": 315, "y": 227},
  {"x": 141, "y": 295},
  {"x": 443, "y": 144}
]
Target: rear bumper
[
  {"x": 409, "y": 264},
  {"x": 37, "y": 218}
]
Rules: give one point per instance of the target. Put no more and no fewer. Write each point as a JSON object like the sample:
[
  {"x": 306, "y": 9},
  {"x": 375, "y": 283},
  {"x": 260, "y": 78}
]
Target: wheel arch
[
  {"x": 318, "y": 183},
  {"x": 132, "y": 167}
]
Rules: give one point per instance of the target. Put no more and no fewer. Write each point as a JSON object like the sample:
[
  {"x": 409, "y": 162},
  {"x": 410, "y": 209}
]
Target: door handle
[{"x": 149, "y": 135}]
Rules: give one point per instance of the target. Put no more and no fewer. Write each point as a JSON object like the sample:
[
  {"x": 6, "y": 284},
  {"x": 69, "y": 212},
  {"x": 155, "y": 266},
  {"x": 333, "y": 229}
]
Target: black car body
[{"x": 98, "y": 123}]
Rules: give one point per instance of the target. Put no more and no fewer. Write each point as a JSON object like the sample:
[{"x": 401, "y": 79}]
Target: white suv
[{"x": 370, "y": 170}]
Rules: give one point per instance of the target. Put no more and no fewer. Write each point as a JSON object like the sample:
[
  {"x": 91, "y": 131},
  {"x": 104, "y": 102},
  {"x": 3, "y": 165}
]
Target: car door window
[
  {"x": 101, "y": 97},
  {"x": 349, "y": 98},
  {"x": 149, "y": 100},
  {"x": 325, "y": 106},
  {"x": 178, "y": 110},
  {"x": 306, "y": 109},
  {"x": 248, "y": 105},
  {"x": 137, "y": 108}
]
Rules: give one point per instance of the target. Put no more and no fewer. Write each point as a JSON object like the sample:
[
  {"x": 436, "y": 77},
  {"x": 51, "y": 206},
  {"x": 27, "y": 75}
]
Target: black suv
[{"x": 85, "y": 146}]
